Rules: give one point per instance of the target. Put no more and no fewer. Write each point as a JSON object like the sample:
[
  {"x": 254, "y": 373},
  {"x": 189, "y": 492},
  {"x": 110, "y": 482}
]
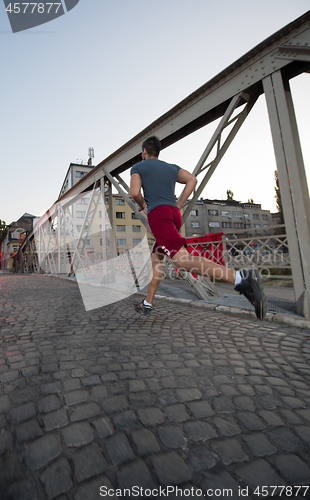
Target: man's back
[{"x": 158, "y": 182}]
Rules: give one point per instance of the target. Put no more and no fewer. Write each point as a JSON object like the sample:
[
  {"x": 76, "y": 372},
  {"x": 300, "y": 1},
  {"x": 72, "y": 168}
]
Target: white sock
[
  {"x": 238, "y": 278},
  {"x": 146, "y": 303}
]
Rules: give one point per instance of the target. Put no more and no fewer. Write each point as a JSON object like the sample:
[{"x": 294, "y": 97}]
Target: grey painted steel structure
[{"x": 230, "y": 95}]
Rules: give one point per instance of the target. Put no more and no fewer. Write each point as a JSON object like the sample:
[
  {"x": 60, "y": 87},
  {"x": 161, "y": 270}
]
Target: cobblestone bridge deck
[{"x": 107, "y": 398}]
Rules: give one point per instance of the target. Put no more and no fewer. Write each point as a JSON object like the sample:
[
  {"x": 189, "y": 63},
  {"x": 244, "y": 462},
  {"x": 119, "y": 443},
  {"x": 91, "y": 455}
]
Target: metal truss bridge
[{"x": 54, "y": 245}]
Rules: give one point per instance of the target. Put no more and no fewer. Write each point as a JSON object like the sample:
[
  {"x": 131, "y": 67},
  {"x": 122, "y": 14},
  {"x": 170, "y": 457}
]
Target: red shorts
[{"x": 165, "y": 222}]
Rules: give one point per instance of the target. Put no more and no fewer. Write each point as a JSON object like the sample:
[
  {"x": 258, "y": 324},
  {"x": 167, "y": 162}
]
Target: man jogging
[{"x": 157, "y": 179}]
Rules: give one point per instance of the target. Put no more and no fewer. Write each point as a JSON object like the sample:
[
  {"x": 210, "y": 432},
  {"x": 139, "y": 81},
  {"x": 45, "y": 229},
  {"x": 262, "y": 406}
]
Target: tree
[
  {"x": 3, "y": 227},
  {"x": 278, "y": 197},
  {"x": 230, "y": 194}
]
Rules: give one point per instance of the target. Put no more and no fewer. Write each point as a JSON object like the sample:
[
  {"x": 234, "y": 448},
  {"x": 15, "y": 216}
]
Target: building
[
  {"x": 75, "y": 172},
  {"x": 231, "y": 217},
  {"x": 11, "y": 239},
  {"x": 276, "y": 221}
]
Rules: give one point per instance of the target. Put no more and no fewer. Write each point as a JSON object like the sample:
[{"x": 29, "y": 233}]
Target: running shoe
[
  {"x": 142, "y": 308},
  {"x": 251, "y": 287}
]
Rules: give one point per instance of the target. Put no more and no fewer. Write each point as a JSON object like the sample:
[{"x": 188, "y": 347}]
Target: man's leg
[
  {"x": 157, "y": 272},
  {"x": 249, "y": 280},
  {"x": 202, "y": 266}
]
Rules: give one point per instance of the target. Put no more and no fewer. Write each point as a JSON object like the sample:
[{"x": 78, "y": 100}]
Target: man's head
[{"x": 151, "y": 147}]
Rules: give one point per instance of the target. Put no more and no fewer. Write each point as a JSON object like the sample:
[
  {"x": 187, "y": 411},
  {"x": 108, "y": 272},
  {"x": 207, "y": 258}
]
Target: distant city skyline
[{"x": 97, "y": 77}]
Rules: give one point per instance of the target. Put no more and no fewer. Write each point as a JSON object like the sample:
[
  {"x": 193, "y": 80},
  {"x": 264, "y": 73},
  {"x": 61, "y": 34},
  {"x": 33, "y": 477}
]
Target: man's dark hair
[{"x": 152, "y": 146}]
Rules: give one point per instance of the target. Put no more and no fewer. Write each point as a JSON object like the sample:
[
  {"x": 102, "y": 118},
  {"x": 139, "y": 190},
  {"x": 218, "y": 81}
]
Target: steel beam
[
  {"x": 221, "y": 149},
  {"x": 127, "y": 198},
  {"x": 73, "y": 241},
  {"x": 49, "y": 253},
  {"x": 103, "y": 232},
  {"x": 293, "y": 184},
  {"x": 88, "y": 220},
  {"x": 111, "y": 276}
]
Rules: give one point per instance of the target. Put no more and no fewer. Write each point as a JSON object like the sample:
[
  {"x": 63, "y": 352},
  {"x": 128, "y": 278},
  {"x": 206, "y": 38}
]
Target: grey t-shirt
[{"x": 158, "y": 182}]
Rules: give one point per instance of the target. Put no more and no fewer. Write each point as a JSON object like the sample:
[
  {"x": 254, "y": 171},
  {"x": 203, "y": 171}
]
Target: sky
[{"x": 101, "y": 73}]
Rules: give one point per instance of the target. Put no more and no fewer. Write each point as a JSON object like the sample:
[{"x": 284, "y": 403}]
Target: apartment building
[
  {"x": 228, "y": 216},
  {"x": 75, "y": 172},
  {"x": 11, "y": 239},
  {"x": 128, "y": 229}
]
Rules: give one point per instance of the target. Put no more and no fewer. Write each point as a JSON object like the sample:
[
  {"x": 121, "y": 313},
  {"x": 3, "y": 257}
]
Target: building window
[
  {"x": 134, "y": 216},
  {"x": 213, "y": 212},
  {"x": 247, "y": 226},
  {"x": 79, "y": 228},
  {"x": 237, "y": 214},
  {"x": 121, "y": 228},
  {"x": 194, "y": 224},
  {"x": 83, "y": 201},
  {"x": 136, "y": 241},
  {"x": 87, "y": 242},
  {"x": 136, "y": 229},
  {"x": 120, "y": 215},
  {"x": 246, "y": 216},
  {"x": 194, "y": 212},
  {"x": 238, "y": 225},
  {"x": 225, "y": 213},
  {"x": 119, "y": 201},
  {"x": 265, "y": 217},
  {"x": 266, "y": 225},
  {"x": 80, "y": 174},
  {"x": 81, "y": 215},
  {"x": 255, "y": 216},
  {"x": 101, "y": 241},
  {"x": 256, "y": 225},
  {"x": 226, "y": 224},
  {"x": 106, "y": 201},
  {"x": 121, "y": 241},
  {"x": 214, "y": 224}
]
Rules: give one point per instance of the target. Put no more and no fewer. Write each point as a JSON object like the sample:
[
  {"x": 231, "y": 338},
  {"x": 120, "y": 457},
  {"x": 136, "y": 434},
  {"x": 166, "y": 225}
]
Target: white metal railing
[
  {"x": 269, "y": 253},
  {"x": 265, "y": 252}
]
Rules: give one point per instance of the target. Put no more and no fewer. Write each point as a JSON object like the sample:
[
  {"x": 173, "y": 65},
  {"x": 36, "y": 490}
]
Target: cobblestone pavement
[{"x": 111, "y": 399}]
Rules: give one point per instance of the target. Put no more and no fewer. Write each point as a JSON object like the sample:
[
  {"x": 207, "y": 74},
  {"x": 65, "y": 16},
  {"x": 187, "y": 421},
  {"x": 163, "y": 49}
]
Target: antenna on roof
[{"x": 91, "y": 155}]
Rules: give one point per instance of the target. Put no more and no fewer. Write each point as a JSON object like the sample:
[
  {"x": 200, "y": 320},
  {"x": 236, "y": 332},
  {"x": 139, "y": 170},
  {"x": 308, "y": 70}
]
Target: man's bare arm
[
  {"x": 135, "y": 191},
  {"x": 190, "y": 181}
]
